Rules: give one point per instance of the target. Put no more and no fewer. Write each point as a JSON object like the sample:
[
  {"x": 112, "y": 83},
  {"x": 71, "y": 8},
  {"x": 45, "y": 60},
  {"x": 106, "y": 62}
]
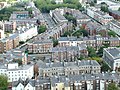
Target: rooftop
[
  {"x": 115, "y": 52},
  {"x": 61, "y": 17},
  {"x": 41, "y": 64},
  {"x": 84, "y": 77}
]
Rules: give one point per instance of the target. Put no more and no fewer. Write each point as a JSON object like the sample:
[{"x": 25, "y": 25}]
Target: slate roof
[
  {"x": 115, "y": 52},
  {"x": 84, "y": 77}
]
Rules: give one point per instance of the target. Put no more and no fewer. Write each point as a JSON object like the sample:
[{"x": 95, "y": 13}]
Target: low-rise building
[
  {"x": 70, "y": 53},
  {"x": 20, "y": 17},
  {"x": 16, "y": 54},
  {"x": 98, "y": 15},
  {"x": 80, "y": 17},
  {"x": 39, "y": 84},
  {"x": 58, "y": 16},
  {"x": 9, "y": 43},
  {"x": 112, "y": 56},
  {"x": 72, "y": 82},
  {"x": 40, "y": 46},
  {"x": 115, "y": 14},
  {"x": 2, "y": 31},
  {"x": 94, "y": 28},
  {"x": 115, "y": 26},
  {"x": 84, "y": 82},
  {"x": 68, "y": 68},
  {"x": 94, "y": 41},
  {"x": 14, "y": 72},
  {"x": 27, "y": 32},
  {"x": 8, "y": 26},
  {"x": 69, "y": 41}
]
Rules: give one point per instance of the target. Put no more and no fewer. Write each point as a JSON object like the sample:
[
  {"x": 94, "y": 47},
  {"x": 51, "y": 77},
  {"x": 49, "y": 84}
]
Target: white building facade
[
  {"x": 14, "y": 72},
  {"x": 28, "y": 32}
]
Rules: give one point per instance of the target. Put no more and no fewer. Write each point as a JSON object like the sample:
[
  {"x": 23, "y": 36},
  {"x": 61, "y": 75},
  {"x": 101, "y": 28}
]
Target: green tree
[
  {"x": 67, "y": 33},
  {"x": 41, "y": 29},
  {"x": 77, "y": 33},
  {"x": 46, "y": 5},
  {"x": 18, "y": 61},
  {"x": 55, "y": 42},
  {"x": 29, "y": 11},
  {"x": 104, "y": 66},
  {"x": 91, "y": 52},
  {"x": 112, "y": 86},
  {"x": 85, "y": 33},
  {"x": 100, "y": 51},
  {"x": 104, "y": 8},
  {"x": 3, "y": 82},
  {"x": 112, "y": 33},
  {"x": 81, "y": 57}
]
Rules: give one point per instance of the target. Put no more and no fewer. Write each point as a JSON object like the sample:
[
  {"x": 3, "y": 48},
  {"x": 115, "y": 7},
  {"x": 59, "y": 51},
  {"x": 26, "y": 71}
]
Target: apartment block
[
  {"x": 72, "y": 82},
  {"x": 98, "y": 15},
  {"x": 26, "y": 32},
  {"x": 9, "y": 43},
  {"x": 14, "y": 72},
  {"x": 112, "y": 56},
  {"x": 95, "y": 41},
  {"x": 8, "y": 26},
  {"x": 65, "y": 53},
  {"x": 115, "y": 26},
  {"x": 40, "y": 46},
  {"x": 68, "y": 68},
  {"x": 84, "y": 82}
]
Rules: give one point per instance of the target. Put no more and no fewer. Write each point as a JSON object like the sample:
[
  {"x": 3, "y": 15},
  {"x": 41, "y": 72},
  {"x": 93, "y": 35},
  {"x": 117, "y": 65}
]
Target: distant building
[
  {"x": 58, "y": 17},
  {"x": 14, "y": 72},
  {"x": 112, "y": 56},
  {"x": 98, "y": 15},
  {"x": 2, "y": 31},
  {"x": 27, "y": 32},
  {"x": 40, "y": 46},
  {"x": 115, "y": 26},
  {"x": 94, "y": 28},
  {"x": 68, "y": 68},
  {"x": 115, "y": 14},
  {"x": 32, "y": 84},
  {"x": 8, "y": 26},
  {"x": 94, "y": 41},
  {"x": 80, "y": 17},
  {"x": 24, "y": 84},
  {"x": 84, "y": 82},
  {"x": 22, "y": 18},
  {"x": 72, "y": 82},
  {"x": 70, "y": 53},
  {"x": 16, "y": 54},
  {"x": 9, "y": 43}
]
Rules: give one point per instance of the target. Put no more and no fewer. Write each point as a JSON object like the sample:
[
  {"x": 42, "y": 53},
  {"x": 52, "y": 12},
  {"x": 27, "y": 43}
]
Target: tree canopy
[
  {"x": 47, "y": 5},
  {"x": 41, "y": 29},
  {"x": 104, "y": 7},
  {"x": 91, "y": 52},
  {"x": 112, "y": 33},
  {"x": 112, "y": 86},
  {"x": 3, "y": 82}
]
